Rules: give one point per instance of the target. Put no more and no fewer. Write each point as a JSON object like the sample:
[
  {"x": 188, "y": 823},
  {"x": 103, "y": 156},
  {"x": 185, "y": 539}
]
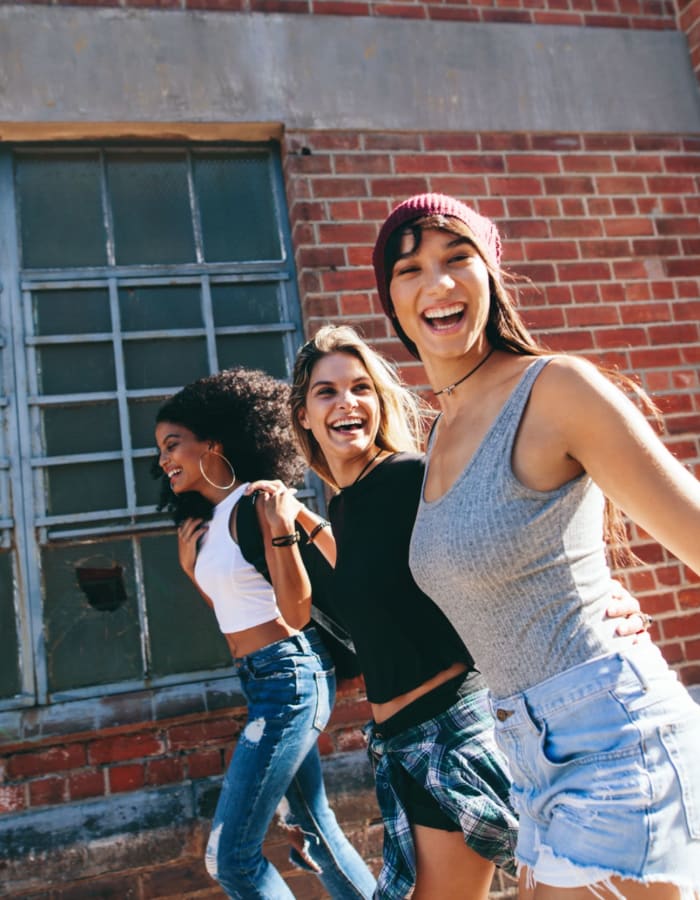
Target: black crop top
[{"x": 401, "y": 637}]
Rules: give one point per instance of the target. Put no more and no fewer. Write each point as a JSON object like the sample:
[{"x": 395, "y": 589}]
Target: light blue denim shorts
[{"x": 605, "y": 761}]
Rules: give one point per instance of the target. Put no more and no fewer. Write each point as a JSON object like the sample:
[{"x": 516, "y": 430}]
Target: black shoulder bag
[{"x": 337, "y": 641}]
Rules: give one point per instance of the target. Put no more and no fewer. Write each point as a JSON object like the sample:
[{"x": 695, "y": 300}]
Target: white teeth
[
  {"x": 174, "y": 473},
  {"x": 344, "y": 423},
  {"x": 442, "y": 312}
]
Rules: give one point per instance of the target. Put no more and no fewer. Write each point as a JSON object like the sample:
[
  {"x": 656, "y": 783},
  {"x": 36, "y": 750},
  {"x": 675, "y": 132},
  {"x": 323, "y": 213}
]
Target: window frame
[{"x": 22, "y": 468}]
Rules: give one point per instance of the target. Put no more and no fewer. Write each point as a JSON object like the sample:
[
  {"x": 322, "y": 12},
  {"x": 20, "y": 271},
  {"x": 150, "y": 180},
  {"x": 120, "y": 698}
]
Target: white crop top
[{"x": 242, "y": 598}]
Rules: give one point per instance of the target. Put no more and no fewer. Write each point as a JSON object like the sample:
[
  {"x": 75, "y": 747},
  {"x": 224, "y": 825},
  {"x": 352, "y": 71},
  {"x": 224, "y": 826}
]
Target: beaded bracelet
[
  {"x": 324, "y": 523},
  {"x": 285, "y": 540}
]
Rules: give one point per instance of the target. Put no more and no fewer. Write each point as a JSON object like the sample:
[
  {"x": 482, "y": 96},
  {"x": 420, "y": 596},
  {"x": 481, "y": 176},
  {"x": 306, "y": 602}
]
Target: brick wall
[
  {"x": 605, "y": 226},
  {"x": 657, "y": 14}
]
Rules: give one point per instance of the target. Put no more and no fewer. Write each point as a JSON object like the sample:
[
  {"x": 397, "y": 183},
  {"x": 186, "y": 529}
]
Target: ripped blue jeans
[{"x": 290, "y": 689}]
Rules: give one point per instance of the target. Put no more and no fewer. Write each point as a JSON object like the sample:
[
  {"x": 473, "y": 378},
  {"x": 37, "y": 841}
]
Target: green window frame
[{"x": 130, "y": 270}]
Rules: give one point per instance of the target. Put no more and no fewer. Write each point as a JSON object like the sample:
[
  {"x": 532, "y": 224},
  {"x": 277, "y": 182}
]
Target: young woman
[
  {"x": 441, "y": 782},
  {"x": 214, "y": 436},
  {"x": 509, "y": 542}
]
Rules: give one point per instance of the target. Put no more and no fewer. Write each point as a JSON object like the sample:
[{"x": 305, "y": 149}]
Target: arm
[
  {"x": 277, "y": 509},
  {"x": 188, "y": 534},
  {"x": 323, "y": 539},
  {"x": 597, "y": 427}
]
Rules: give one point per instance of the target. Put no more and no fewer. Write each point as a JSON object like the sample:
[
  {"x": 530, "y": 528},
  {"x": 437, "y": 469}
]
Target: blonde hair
[{"x": 401, "y": 412}]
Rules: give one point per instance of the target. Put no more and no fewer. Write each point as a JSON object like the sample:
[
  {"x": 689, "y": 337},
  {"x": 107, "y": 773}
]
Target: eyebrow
[{"x": 329, "y": 381}]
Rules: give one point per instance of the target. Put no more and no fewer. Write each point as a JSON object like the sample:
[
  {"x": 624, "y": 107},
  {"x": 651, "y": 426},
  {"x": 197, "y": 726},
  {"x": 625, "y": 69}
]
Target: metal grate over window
[{"x": 138, "y": 270}]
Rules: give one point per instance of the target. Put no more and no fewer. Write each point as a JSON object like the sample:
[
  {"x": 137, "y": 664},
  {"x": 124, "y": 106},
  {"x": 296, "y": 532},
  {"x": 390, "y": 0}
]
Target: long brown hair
[{"x": 506, "y": 331}]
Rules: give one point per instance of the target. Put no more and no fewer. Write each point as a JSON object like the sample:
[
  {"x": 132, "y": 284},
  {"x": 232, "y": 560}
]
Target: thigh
[{"x": 447, "y": 868}]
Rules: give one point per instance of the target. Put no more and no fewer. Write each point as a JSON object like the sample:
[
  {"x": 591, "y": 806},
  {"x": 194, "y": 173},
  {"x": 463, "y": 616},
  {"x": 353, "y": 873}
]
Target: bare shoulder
[{"x": 571, "y": 381}]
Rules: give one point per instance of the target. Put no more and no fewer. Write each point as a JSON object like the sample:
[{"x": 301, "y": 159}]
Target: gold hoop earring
[{"x": 219, "y": 487}]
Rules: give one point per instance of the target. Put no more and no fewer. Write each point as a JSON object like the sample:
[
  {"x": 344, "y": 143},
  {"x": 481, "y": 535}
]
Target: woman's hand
[
  {"x": 279, "y": 504},
  {"x": 625, "y": 607},
  {"x": 188, "y": 534}
]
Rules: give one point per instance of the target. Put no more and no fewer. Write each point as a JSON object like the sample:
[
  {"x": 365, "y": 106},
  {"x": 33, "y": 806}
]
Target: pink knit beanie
[{"x": 484, "y": 230}]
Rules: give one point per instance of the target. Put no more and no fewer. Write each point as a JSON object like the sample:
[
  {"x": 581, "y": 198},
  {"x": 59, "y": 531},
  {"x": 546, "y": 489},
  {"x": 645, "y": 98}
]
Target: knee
[{"x": 234, "y": 866}]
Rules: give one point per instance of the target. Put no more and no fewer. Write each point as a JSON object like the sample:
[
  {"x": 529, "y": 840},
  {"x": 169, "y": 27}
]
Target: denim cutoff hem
[{"x": 604, "y": 777}]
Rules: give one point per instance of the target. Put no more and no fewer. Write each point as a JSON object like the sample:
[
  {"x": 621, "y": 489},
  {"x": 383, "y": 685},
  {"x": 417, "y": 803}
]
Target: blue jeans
[{"x": 290, "y": 688}]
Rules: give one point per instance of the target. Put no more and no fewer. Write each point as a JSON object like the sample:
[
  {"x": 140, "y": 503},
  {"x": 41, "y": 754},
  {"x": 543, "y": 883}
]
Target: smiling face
[
  {"x": 441, "y": 294},
  {"x": 180, "y": 452},
  {"x": 342, "y": 412}
]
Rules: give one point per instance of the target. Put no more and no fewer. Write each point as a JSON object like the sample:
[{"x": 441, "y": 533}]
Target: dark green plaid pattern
[{"x": 455, "y": 758}]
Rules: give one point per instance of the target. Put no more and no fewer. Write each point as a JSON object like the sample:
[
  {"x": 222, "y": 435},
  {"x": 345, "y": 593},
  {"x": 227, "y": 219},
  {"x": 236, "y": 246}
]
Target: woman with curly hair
[{"x": 215, "y": 436}]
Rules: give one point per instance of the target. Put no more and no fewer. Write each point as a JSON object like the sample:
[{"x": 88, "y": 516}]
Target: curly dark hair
[{"x": 247, "y": 410}]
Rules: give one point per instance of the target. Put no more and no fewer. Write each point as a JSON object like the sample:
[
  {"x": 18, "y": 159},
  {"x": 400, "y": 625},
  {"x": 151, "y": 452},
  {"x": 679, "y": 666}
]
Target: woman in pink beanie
[{"x": 511, "y": 541}]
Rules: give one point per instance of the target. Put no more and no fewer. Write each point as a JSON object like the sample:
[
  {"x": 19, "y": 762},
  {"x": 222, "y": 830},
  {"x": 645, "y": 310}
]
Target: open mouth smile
[
  {"x": 442, "y": 318},
  {"x": 348, "y": 425}
]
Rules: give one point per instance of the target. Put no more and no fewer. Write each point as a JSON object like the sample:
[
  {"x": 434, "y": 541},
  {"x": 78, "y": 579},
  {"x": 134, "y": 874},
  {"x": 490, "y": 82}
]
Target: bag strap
[{"x": 253, "y": 549}]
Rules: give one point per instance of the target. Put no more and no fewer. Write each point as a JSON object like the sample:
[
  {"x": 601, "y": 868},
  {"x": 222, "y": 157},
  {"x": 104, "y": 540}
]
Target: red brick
[
  {"x": 515, "y": 186},
  {"x": 90, "y": 783},
  {"x": 683, "y": 626},
  {"x": 535, "y": 250},
  {"x": 628, "y": 226},
  {"x": 566, "y": 184},
  {"x": 126, "y": 778},
  {"x": 586, "y": 227},
  {"x": 639, "y": 163},
  {"x": 397, "y": 189},
  {"x": 587, "y": 271},
  {"x": 43, "y": 762},
  {"x": 13, "y": 798},
  {"x": 660, "y": 184},
  {"x": 131, "y": 746},
  {"x": 586, "y": 162},
  {"x": 348, "y": 280},
  {"x": 395, "y": 143},
  {"x": 165, "y": 770},
  {"x": 604, "y": 249},
  {"x": 47, "y": 791},
  {"x": 339, "y": 187},
  {"x": 591, "y": 315},
  {"x": 477, "y": 162},
  {"x": 347, "y": 233},
  {"x": 364, "y": 163},
  {"x": 407, "y": 165},
  {"x": 673, "y": 334},
  {"x": 620, "y": 184},
  {"x": 203, "y": 763}
]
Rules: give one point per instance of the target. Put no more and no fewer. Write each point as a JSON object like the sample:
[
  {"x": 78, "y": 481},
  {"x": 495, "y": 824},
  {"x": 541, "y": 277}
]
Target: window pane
[
  {"x": 183, "y": 631},
  {"x": 256, "y": 351},
  {"x": 142, "y": 415},
  {"x": 10, "y": 683},
  {"x": 236, "y": 203},
  {"x": 245, "y": 304},
  {"x": 60, "y": 211},
  {"x": 166, "y": 363},
  {"x": 92, "y": 428},
  {"x": 91, "y": 615},
  {"x": 75, "y": 368},
  {"x": 86, "y": 487},
  {"x": 150, "y": 209},
  {"x": 151, "y": 308},
  {"x": 147, "y": 487},
  {"x": 71, "y": 311}
]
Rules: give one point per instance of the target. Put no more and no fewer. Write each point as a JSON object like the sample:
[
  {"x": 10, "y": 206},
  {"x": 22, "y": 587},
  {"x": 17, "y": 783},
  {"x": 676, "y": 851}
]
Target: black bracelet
[
  {"x": 324, "y": 523},
  {"x": 286, "y": 540}
]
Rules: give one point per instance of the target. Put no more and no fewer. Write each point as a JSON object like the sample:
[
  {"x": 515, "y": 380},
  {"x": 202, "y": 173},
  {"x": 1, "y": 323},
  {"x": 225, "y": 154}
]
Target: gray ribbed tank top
[{"x": 521, "y": 574}]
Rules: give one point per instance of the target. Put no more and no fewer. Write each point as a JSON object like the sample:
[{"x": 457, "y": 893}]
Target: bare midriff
[{"x": 242, "y": 643}]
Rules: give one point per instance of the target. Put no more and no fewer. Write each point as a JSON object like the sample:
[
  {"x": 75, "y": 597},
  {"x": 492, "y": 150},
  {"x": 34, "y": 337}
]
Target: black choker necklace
[
  {"x": 366, "y": 466},
  {"x": 450, "y": 387}
]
